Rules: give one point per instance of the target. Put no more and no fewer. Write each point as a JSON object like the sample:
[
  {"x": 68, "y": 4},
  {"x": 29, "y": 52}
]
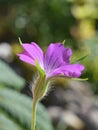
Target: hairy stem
[{"x": 33, "y": 114}]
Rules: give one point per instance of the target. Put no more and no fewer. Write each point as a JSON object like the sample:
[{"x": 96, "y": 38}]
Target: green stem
[{"x": 33, "y": 114}]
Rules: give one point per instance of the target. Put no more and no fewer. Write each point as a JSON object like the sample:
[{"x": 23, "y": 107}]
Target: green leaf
[
  {"x": 80, "y": 59},
  {"x": 9, "y": 78}
]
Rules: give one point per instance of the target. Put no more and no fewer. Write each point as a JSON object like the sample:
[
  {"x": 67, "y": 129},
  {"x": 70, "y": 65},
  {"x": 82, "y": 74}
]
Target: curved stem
[{"x": 33, "y": 114}]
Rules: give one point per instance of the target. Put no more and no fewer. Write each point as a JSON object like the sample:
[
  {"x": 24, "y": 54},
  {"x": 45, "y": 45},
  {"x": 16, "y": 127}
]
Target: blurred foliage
[
  {"x": 15, "y": 108},
  {"x": 91, "y": 45},
  {"x": 33, "y": 20},
  {"x": 48, "y": 21}
]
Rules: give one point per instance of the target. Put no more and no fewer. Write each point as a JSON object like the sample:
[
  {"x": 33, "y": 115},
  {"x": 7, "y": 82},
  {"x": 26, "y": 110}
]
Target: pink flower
[{"x": 55, "y": 62}]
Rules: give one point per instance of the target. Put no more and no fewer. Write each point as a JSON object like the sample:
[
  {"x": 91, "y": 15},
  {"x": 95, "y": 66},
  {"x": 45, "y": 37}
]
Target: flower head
[{"x": 55, "y": 62}]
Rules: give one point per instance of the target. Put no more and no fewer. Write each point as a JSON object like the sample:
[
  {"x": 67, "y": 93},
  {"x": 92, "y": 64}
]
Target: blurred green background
[{"x": 45, "y": 22}]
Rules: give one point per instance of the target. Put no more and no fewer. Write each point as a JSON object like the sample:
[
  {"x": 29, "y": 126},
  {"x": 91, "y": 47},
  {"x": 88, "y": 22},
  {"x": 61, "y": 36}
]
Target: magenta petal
[
  {"x": 34, "y": 51},
  {"x": 53, "y": 57},
  {"x": 26, "y": 58},
  {"x": 73, "y": 70},
  {"x": 67, "y": 53}
]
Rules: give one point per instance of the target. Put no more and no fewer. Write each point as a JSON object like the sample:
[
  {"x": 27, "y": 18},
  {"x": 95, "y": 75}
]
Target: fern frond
[
  {"x": 7, "y": 124},
  {"x": 9, "y": 77},
  {"x": 19, "y": 106}
]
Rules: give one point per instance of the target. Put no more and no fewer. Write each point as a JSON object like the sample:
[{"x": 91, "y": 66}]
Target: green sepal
[
  {"x": 41, "y": 71},
  {"x": 20, "y": 41},
  {"x": 80, "y": 59},
  {"x": 79, "y": 79},
  {"x": 63, "y": 42}
]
